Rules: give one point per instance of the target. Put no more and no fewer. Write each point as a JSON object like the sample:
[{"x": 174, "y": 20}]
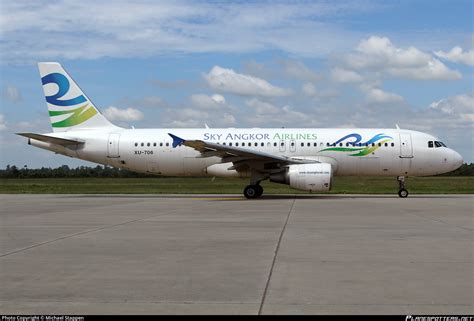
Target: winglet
[{"x": 176, "y": 140}]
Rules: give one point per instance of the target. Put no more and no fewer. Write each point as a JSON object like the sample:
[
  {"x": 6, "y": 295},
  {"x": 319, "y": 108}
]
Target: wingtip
[{"x": 177, "y": 141}]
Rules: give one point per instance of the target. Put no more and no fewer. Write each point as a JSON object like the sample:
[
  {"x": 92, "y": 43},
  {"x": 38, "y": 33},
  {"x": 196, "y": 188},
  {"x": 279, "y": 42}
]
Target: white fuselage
[{"x": 397, "y": 152}]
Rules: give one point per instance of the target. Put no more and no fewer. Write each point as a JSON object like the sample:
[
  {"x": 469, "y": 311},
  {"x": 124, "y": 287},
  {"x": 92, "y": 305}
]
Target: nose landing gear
[{"x": 403, "y": 193}]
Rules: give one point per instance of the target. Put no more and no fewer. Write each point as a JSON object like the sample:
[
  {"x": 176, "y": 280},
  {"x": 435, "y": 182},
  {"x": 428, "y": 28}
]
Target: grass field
[{"x": 162, "y": 185}]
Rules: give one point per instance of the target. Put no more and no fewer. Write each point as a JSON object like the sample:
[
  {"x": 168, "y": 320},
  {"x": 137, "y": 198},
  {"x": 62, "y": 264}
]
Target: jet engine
[{"x": 307, "y": 177}]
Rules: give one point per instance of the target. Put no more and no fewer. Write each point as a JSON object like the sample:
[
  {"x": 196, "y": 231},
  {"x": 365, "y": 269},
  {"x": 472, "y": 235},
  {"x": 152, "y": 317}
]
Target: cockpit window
[{"x": 436, "y": 144}]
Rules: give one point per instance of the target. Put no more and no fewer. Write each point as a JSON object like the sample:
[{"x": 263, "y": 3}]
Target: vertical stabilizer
[{"x": 69, "y": 108}]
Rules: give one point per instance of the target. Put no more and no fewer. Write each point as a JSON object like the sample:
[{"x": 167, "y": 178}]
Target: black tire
[
  {"x": 403, "y": 193},
  {"x": 259, "y": 190},
  {"x": 251, "y": 191}
]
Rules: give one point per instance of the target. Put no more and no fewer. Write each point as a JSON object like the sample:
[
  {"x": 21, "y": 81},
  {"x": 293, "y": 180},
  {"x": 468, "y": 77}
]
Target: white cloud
[
  {"x": 3, "y": 123},
  {"x": 345, "y": 76},
  {"x": 192, "y": 118},
  {"x": 212, "y": 110},
  {"x": 218, "y": 98},
  {"x": 262, "y": 107},
  {"x": 461, "y": 106},
  {"x": 379, "y": 54},
  {"x": 227, "y": 80},
  {"x": 267, "y": 114},
  {"x": 127, "y": 114},
  {"x": 458, "y": 55},
  {"x": 377, "y": 95},
  {"x": 309, "y": 89},
  {"x": 298, "y": 70},
  {"x": 147, "y": 28},
  {"x": 12, "y": 94},
  {"x": 203, "y": 101}
]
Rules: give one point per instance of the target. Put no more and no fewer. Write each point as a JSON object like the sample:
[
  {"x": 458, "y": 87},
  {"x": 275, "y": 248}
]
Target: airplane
[{"x": 303, "y": 158}]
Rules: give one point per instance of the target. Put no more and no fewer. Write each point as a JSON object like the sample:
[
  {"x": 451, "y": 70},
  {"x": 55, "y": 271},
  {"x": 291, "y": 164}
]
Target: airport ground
[
  {"x": 207, "y": 185},
  {"x": 205, "y": 254}
]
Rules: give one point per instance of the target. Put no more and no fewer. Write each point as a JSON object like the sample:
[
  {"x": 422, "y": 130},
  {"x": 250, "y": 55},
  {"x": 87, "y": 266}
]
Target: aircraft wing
[{"x": 235, "y": 154}]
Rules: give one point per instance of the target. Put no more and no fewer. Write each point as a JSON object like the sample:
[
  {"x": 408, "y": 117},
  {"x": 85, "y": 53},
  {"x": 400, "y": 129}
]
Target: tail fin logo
[
  {"x": 63, "y": 85},
  {"x": 77, "y": 115}
]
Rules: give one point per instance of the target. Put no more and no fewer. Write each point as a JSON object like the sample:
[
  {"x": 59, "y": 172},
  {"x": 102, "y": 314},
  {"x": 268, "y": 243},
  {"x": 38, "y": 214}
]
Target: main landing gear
[
  {"x": 403, "y": 193},
  {"x": 253, "y": 191}
]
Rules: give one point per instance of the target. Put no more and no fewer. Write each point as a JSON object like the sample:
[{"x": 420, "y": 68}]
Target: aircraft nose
[{"x": 457, "y": 159}]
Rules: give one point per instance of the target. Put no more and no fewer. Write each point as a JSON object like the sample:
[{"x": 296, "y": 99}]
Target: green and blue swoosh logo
[
  {"x": 77, "y": 115},
  {"x": 359, "y": 148}
]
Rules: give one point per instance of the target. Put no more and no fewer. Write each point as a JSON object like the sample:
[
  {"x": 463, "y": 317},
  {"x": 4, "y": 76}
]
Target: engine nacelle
[{"x": 307, "y": 177}]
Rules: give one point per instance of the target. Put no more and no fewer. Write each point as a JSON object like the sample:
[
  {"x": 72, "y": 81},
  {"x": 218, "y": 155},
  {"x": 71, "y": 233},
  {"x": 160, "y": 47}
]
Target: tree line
[{"x": 64, "y": 171}]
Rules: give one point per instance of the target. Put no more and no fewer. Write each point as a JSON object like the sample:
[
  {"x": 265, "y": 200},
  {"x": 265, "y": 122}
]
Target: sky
[{"x": 166, "y": 64}]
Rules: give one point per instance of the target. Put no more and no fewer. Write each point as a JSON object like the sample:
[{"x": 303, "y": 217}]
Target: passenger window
[
  {"x": 430, "y": 144},
  {"x": 386, "y": 144},
  {"x": 230, "y": 144},
  {"x": 148, "y": 144},
  {"x": 282, "y": 144},
  {"x": 302, "y": 144},
  {"x": 309, "y": 144},
  {"x": 154, "y": 144},
  {"x": 167, "y": 144},
  {"x": 142, "y": 144},
  {"x": 393, "y": 144},
  {"x": 340, "y": 144},
  {"x": 275, "y": 144},
  {"x": 256, "y": 144},
  {"x": 223, "y": 143},
  {"x": 136, "y": 144},
  {"x": 262, "y": 144},
  {"x": 161, "y": 144},
  {"x": 327, "y": 144},
  {"x": 373, "y": 144},
  {"x": 315, "y": 144}
]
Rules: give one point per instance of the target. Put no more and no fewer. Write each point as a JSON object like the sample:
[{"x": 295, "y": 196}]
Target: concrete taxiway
[{"x": 147, "y": 254}]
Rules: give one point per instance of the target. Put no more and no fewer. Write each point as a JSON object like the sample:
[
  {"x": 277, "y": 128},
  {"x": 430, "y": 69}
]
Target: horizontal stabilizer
[{"x": 51, "y": 139}]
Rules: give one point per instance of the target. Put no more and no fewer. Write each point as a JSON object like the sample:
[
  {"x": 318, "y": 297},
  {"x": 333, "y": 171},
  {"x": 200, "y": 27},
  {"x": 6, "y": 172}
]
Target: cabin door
[
  {"x": 113, "y": 146},
  {"x": 406, "y": 148}
]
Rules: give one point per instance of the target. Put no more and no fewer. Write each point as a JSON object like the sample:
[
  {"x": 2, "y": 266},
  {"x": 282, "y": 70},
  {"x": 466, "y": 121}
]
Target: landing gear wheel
[
  {"x": 251, "y": 191},
  {"x": 259, "y": 190},
  {"x": 403, "y": 193}
]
